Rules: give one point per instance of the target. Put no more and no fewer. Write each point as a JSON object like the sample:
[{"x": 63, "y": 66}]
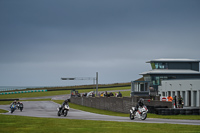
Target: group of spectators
[
  {"x": 92, "y": 94},
  {"x": 178, "y": 102},
  {"x": 106, "y": 94}
]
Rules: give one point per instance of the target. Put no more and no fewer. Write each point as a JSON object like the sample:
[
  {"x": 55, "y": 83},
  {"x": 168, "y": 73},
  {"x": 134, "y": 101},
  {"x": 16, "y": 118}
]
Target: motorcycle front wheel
[
  {"x": 144, "y": 116},
  {"x": 12, "y": 110},
  {"x": 131, "y": 116},
  {"x": 65, "y": 113}
]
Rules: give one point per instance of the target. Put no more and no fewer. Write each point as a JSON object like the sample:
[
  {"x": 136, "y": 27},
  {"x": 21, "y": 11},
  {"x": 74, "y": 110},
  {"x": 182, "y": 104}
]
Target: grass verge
[
  {"x": 3, "y": 111},
  {"x": 23, "y": 124}
]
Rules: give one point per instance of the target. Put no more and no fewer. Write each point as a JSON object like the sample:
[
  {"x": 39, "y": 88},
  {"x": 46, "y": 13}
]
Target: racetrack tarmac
[{"x": 48, "y": 109}]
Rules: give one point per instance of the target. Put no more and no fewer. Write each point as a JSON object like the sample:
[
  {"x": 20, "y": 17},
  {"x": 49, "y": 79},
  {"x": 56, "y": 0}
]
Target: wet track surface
[{"x": 48, "y": 109}]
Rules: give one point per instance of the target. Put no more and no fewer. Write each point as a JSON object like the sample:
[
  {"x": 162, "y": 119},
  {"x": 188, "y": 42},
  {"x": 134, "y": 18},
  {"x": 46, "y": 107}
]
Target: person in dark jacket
[
  {"x": 120, "y": 94},
  {"x": 175, "y": 101},
  {"x": 180, "y": 102},
  {"x": 140, "y": 104},
  {"x": 64, "y": 103}
]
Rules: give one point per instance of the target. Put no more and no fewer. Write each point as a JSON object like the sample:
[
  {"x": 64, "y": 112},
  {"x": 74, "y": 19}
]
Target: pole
[{"x": 96, "y": 83}]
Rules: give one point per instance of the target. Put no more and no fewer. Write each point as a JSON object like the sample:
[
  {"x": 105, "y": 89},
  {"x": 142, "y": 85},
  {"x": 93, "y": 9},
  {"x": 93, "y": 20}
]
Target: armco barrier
[{"x": 17, "y": 92}]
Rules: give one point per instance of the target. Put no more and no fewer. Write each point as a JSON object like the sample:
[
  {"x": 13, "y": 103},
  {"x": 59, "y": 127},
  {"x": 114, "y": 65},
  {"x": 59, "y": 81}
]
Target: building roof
[
  {"x": 140, "y": 79},
  {"x": 173, "y": 60},
  {"x": 170, "y": 71}
]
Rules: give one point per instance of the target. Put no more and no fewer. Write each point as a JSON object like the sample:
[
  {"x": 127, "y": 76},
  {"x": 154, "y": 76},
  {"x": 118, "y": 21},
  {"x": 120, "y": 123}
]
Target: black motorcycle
[
  {"x": 20, "y": 106},
  {"x": 63, "y": 110}
]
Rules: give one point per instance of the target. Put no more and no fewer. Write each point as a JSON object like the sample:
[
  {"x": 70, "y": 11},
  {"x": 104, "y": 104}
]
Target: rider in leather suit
[{"x": 140, "y": 104}]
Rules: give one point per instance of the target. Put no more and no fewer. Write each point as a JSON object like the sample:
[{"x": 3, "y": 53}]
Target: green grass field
[{"x": 22, "y": 124}]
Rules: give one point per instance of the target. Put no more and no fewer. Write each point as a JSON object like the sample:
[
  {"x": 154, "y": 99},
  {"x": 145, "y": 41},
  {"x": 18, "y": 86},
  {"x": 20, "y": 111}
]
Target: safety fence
[{"x": 18, "y": 92}]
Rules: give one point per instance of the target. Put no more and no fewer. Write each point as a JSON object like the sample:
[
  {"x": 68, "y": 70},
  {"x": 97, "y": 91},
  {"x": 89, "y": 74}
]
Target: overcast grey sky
[{"x": 44, "y": 40}]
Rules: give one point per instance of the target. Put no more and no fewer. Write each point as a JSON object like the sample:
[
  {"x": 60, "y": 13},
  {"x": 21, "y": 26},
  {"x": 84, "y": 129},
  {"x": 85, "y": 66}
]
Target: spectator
[
  {"x": 180, "y": 102},
  {"x": 85, "y": 94},
  {"x": 93, "y": 95},
  {"x": 175, "y": 101},
  {"x": 106, "y": 94},
  {"x": 72, "y": 94},
  {"x": 111, "y": 94},
  {"x": 120, "y": 94},
  {"x": 169, "y": 98}
]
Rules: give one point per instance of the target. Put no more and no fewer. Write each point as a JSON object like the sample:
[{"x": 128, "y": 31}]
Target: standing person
[
  {"x": 180, "y": 101},
  {"x": 169, "y": 98},
  {"x": 175, "y": 102}
]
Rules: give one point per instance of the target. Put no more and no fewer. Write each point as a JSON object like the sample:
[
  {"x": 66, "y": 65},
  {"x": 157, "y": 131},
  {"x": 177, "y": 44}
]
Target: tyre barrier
[
  {"x": 188, "y": 112},
  {"x": 171, "y": 111},
  {"x": 9, "y": 99},
  {"x": 195, "y": 111},
  {"x": 182, "y": 111},
  {"x": 158, "y": 111},
  {"x": 177, "y": 111},
  {"x": 162, "y": 111},
  {"x": 17, "y": 92},
  {"x": 167, "y": 111}
]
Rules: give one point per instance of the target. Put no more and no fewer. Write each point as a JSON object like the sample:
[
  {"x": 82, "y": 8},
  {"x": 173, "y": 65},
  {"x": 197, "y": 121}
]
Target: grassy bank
[{"x": 22, "y": 124}]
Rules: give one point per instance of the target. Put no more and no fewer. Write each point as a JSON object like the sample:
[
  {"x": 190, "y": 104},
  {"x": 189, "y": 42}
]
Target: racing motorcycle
[
  {"x": 20, "y": 106},
  {"x": 141, "y": 113},
  {"x": 12, "y": 107},
  {"x": 63, "y": 110}
]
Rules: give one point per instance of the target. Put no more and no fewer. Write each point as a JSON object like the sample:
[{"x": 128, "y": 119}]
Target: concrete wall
[{"x": 115, "y": 104}]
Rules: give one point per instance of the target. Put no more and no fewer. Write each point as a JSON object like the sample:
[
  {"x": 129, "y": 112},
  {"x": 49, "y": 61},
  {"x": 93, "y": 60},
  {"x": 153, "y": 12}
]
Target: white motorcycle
[
  {"x": 141, "y": 113},
  {"x": 63, "y": 110}
]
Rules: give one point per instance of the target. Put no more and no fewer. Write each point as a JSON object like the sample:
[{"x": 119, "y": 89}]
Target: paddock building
[{"x": 171, "y": 77}]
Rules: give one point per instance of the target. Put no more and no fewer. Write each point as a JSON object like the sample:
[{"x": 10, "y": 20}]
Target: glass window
[
  {"x": 159, "y": 65},
  {"x": 156, "y": 80}
]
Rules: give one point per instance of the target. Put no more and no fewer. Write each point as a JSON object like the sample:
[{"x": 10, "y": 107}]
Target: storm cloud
[{"x": 44, "y": 40}]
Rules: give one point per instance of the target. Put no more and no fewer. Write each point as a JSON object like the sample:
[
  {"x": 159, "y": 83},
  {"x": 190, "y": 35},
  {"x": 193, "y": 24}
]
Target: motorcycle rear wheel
[{"x": 131, "y": 116}]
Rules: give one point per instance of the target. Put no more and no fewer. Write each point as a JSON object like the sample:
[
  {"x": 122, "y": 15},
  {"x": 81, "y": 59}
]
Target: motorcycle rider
[
  {"x": 64, "y": 103},
  {"x": 140, "y": 104},
  {"x": 15, "y": 102}
]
